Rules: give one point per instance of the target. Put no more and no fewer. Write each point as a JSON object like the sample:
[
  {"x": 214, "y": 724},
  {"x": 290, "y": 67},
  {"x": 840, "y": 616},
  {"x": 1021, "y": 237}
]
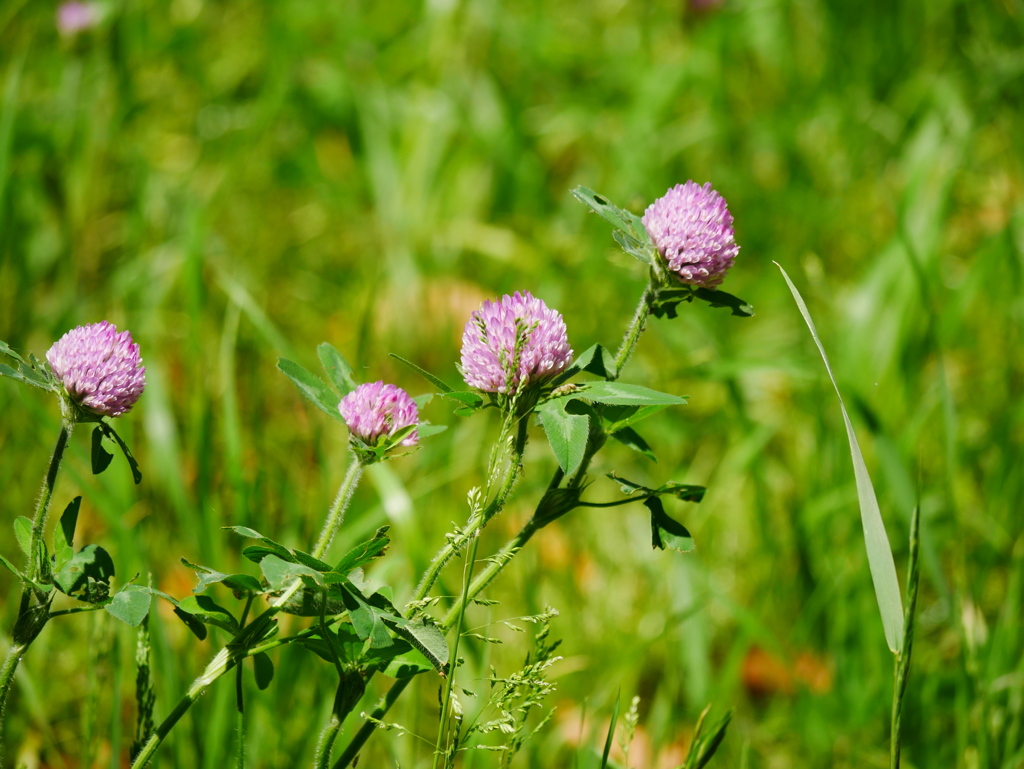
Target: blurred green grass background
[{"x": 236, "y": 181}]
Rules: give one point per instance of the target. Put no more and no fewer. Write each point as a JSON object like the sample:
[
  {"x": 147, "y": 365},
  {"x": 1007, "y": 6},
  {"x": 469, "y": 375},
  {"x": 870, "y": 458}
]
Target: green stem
[
  {"x": 636, "y": 328},
  {"x": 901, "y": 665},
  {"x": 322, "y": 760},
  {"x": 337, "y": 512},
  {"x": 369, "y": 727},
  {"x": 11, "y": 661},
  {"x": 218, "y": 666},
  {"x": 478, "y": 519},
  {"x": 35, "y": 564},
  {"x": 227, "y": 658},
  {"x": 453, "y": 655}
]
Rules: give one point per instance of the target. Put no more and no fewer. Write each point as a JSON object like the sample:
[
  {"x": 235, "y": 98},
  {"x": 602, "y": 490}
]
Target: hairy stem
[
  {"x": 636, "y": 328},
  {"x": 35, "y": 564}
]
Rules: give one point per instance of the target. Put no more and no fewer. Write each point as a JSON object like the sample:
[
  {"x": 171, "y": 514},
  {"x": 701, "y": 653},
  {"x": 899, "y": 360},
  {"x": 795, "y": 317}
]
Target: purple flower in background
[
  {"x": 74, "y": 17},
  {"x": 692, "y": 229},
  {"x": 376, "y": 410},
  {"x": 510, "y": 344},
  {"x": 99, "y": 367}
]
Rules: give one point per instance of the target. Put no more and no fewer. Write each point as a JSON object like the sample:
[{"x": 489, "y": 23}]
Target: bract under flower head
[
  {"x": 376, "y": 411},
  {"x": 692, "y": 229},
  {"x": 100, "y": 368},
  {"x": 512, "y": 343}
]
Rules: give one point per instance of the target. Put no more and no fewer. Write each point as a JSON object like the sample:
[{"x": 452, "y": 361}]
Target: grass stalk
[{"x": 901, "y": 664}]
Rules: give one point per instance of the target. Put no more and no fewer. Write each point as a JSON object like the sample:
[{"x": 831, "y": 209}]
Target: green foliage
[{"x": 883, "y": 568}]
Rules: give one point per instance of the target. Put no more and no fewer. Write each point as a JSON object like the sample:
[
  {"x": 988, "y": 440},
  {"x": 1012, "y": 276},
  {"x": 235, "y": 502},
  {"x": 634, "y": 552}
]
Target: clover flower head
[
  {"x": 100, "y": 368},
  {"x": 692, "y": 229},
  {"x": 512, "y": 343},
  {"x": 375, "y": 411},
  {"x": 74, "y": 17}
]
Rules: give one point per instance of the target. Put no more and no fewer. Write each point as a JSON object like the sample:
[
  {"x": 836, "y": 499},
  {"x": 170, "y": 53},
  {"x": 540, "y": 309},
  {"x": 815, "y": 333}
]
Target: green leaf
[
  {"x": 109, "y": 432},
  {"x": 594, "y": 360},
  {"x": 425, "y": 429},
  {"x": 64, "y": 534},
  {"x": 12, "y": 568},
  {"x": 880, "y": 560},
  {"x": 567, "y": 432},
  {"x": 26, "y": 373},
  {"x": 408, "y": 664},
  {"x": 611, "y": 731},
  {"x": 470, "y": 399},
  {"x": 192, "y": 623},
  {"x": 307, "y": 560},
  {"x": 667, "y": 533},
  {"x": 631, "y": 438},
  {"x": 364, "y": 552},
  {"x": 86, "y": 575},
  {"x": 428, "y": 639},
  {"x": 619, "y": 394},
  {"x": 618, "y": 417},
  {"x": 718, "y": 298},
  {"x": 366, "y": 620},
  {"x": 23, "y": 533},
  {"x": 240, "y": 583},
  {"x": 438, "y": 383},
  {"x": 5, "y": 349},
  {"x": 710, "y": 743},
  {"x": 264, "y": 670},
  {"x": 337, "y": 368},
  {"x": 256, "y": 553},
  {"x": 207, "y": 611},
  {"x": 130, "y": 604},
  {"x": 281, "y": 574},
  {"x": 100, "y": 456},
  {"x": 312, "y": 388}
]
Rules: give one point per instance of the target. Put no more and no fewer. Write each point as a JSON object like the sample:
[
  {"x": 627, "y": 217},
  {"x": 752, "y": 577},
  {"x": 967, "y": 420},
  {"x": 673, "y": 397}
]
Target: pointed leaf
[
  {"x": 207, "y": 611},
  {"x": 595, "y": 360},
  {"x": 312, "y": 388},
  {"x": 130, "y": 604},
  {"x": 718, "y": 298},
  {"x": 438, "y": 383},
  {"x": 109, "y": 432},
  {"x": 567, "y": 432},
  {"x": 264, "y": 670},
  {"x": 12, "y": 568},
  {"x": 64, "y": 534},
  {"x": 100, "y": 456},
  {"x": 337, "y": 368},
  {"x": 880, "y": 560},
  {"x": 428, "y": 639},
  {"x": 5, "y": 349},
  {"x": 281, "y": 574},
  {"x": 666, "y": 532},
  {"x": 363, "y": 553},
  {"x": 631, "y": 438},
  {"x": 619, "y": 394},
  {"x": 23, "y": 533},
  {"x": 618, "y": 417},
  {"x": 192, "y": 623},
  {"x": 240, "y": 583}
]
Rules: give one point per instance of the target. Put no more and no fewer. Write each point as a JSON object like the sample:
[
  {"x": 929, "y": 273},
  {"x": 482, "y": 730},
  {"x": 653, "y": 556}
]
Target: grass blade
[{"x": 883, "y": 568}]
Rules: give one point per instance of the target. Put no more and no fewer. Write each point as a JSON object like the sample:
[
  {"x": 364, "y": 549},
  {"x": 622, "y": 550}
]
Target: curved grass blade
[{"x": 883, "y": 568}]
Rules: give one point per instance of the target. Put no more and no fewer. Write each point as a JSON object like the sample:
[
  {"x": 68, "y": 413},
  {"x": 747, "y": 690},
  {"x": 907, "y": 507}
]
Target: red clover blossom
[
  {"x": 376, "y": 411},
  {"x": 100, "y": 368},
  {"x": 692, "y": 229},
  {"x": 512, "y": 343}
]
